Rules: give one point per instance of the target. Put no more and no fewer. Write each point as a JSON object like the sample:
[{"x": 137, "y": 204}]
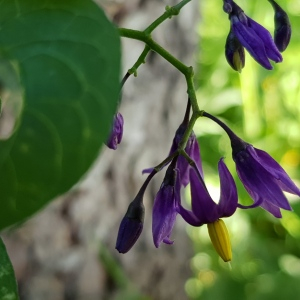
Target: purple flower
[
  {"x": 131, "y": 226},
  {"x": 204, "y": 209},
  {"x": 116, "y": 134},
  {"x": 264, "y": 179},
  {"x": 165, "y": 208},
  {"x": 192, "y": 149},
  {"x": 283, "y": 30},
  {"x": 254, "y": 37}
]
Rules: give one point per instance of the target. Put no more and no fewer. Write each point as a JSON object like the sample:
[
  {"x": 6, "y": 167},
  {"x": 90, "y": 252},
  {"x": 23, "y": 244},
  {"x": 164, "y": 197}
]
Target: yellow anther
[
  {"x": 237, "y": 62},
  {"x": 220, "y": 239}
]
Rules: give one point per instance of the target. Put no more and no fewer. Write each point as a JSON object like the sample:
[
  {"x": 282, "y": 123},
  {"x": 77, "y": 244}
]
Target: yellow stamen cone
[{"x": 220, "y": 239}]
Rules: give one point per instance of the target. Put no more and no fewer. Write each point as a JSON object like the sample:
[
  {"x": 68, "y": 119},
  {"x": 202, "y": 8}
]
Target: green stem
[
  {"x": 147, "y": 39},
  {"x": 150, "y": 44},
  {"x": 140, "y": 60},
  {"x": 168, "y": 14}
]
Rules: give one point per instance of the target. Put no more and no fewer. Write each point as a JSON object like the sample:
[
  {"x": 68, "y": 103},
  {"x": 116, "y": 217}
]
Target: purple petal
[
  {"x": 116, "y": 134},
  {"x": 250, "y": 40},
  {"x": 203, "y": 207},
  {"x": 164, "y": 214},
  {"x": 272, "y": 166},
  {"x": 229, "y": 197},
  {"x": 258, "y": 180},
  {"x": 189, "y": 216},
  {"x": 183, "y": 167},
  {"x": 265, "y": 35},
  {"x": 274, "y": 210},
  {"x": 194, "y": 153}
]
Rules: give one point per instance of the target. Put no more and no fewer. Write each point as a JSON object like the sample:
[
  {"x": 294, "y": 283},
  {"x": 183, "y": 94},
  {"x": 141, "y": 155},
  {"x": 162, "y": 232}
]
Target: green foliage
[
  {"x": 262, "y": 107},
  {"x": 8, "y": 287},
  {"x": 65, "y": 55}
]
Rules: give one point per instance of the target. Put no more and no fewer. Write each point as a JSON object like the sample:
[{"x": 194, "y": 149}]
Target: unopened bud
[
  {"x": 131, "y": 226},
  {"x": 283, "y": 30},
  {"x": 220, "y": 239},
  {"x": 234, "y": 52},
  {"x": 116, "y": 134}
]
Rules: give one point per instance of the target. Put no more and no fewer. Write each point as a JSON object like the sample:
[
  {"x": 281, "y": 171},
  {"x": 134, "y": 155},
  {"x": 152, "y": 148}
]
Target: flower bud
[
  {"x": 116, "y": 134},
  {"x": 220, "y": 239},
  {"x": 234, "y": 52},
  {"x": 131, "y": 226},
  {"x": 283, "y": 31}
]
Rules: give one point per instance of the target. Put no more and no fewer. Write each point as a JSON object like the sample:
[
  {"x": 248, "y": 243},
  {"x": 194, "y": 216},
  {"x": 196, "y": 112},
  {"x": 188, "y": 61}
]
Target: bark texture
[{"x": 66, "y": 251}]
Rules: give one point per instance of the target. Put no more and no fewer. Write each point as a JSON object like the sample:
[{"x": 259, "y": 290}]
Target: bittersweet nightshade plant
[
  {"x": 262, "y": 177},
  {"x": 116, "y": 134}
]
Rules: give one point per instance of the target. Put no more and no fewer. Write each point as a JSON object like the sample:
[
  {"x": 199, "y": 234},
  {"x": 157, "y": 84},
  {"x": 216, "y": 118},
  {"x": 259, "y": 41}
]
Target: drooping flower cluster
[
  {"x": 263, "y": 178},
  {"x": 246, "y": 33}
]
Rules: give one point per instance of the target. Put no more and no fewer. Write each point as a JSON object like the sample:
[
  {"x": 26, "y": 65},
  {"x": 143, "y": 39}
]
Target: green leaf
[
  {"x": 8, "y": 284},
  {"x": 66, "y": 56}
]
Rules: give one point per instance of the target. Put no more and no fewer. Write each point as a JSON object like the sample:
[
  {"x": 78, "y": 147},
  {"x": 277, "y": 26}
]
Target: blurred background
[{"x": 66, "y": 251}]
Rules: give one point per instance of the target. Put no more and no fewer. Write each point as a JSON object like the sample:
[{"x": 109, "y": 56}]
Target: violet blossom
[
  {"x": 165, "y": 208},
  {"x": 254, "y": 37},
  {"x": 204, "y": 209}
]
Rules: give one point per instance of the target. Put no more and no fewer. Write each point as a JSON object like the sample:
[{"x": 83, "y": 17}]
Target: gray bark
[{"x": 56, "y": 253}]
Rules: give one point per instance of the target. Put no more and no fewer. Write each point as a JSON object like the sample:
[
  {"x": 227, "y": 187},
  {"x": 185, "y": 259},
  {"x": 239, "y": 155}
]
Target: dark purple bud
[
  {"x": 227, "y": 6},
  {"x": 131, "y": 226},
  {"x": 234, "y": 52},
  {"x": 283, "y": 30},
  {"x": 116, "y": 134}
]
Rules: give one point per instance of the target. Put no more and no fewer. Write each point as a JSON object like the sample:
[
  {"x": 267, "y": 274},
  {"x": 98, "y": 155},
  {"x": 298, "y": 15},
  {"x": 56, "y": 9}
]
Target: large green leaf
[
  {"x": 66, "y": 56},
  {"x": 8, "y": 284}
]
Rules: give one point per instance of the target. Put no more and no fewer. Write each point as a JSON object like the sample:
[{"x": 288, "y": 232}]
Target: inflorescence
[
  {"x": 263, "y": 178},
  {"x": 246, "y": 33}
]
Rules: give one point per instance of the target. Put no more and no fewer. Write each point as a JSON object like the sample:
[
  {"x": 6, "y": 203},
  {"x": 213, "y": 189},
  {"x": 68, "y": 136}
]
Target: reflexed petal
[
  {"x": 194, "y": 153},
  {"x": 276, "y": 170},
  {"x": 274, "y": 210},
  {"x": 265, "y": 35},
  {"x": 229, "y": 197},
  {"x": 258, "y": 180},
  {"x": 251, "y": 42},
  {"x": 203, "y": 207},
  {"x": 183, "y": 167},
  {"x": 164, "y": 214},
  {"x": 189, "y": 216}
]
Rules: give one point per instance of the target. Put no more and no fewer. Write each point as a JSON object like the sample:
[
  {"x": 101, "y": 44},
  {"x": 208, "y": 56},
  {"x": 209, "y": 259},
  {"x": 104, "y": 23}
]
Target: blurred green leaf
[
  {"x": 66, "y": 55},
  {"x": 8, "y": 286}
]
